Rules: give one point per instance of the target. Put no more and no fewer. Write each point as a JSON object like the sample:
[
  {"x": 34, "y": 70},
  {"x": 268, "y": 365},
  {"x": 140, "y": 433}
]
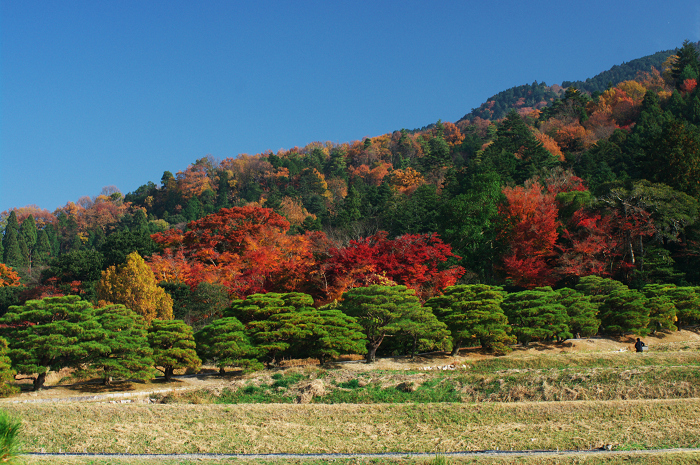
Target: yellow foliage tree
[{"x": 134, "y": 285}]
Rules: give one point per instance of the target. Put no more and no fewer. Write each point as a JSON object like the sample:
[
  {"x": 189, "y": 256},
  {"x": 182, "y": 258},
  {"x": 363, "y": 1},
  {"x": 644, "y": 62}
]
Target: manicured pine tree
[
  {"x": 473, "y": 315},
  {"x": 129, "y": 354},
  {"x": 335, "y": 334},
  {"x": 536, "y": 315},
  {"x": 378, "y": 310},
  {"x": 685, "y": 299},
  {"x": 7, "y": 373},
  {"x": 421, "y": 329},
  {"x": 582, "y": 312},
  {"x": 598, "y": 288},
  {"x": 51, "y": 334},
  {"x": 662, "y": 314},
  {"x": 270, "y": 323},
  {"x": 287, "y": 325},
  {"x": 225, "y": 342},
  {"x": 173, "y": 346},
  {"x": 687, "y": 302},
  {"x": 625, "y": 311}
]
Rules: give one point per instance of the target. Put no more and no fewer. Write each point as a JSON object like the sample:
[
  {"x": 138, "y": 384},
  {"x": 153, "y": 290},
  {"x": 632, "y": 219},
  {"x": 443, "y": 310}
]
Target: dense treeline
[
  {"x": 600, "y": 186},
  {"x": 624, "y": 72}
]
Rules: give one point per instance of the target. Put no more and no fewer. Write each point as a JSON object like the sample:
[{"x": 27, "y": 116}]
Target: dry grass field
[{"x": 582, "y": 394}]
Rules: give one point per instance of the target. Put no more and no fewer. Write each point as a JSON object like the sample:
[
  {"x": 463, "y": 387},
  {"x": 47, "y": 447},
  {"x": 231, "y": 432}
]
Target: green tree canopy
[
  {"x": 129, "y": 354},
  {"x": 51, "y": 334},
  {"x": 473, "y": 315},
  {"x": 173, "y": 346},
  {"x": 287, "y": 325},
  {"x": 225, "y": 342},
  {"x": 536, "y": 315},
  {"x": 581, "y": 311},
  {"x": 379, "y": 310},
  {"x": 625, "y": 311},
  {"x": 7, "y": 373}
]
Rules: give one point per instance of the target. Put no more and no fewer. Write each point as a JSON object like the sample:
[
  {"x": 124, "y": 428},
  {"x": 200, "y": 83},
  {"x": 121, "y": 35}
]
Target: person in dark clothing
[{"x": 639, "y": 345}]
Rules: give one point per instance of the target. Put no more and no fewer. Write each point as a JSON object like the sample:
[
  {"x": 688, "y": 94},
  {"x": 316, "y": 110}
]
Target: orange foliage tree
[
  {"x": 8, "y": 277},
  {"x": 530, "y": 232},
  {"x": 246, "y": 249}
]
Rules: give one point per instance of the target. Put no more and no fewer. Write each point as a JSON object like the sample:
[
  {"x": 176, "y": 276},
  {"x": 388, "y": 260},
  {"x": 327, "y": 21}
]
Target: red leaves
[
  {"x": 591, "y": 246},
  {"x": 412, "y": 260},
  {"x": 246, "y": 249},
  {"x": 689, "y": 85},
  {"x": 531, "y": 233}
]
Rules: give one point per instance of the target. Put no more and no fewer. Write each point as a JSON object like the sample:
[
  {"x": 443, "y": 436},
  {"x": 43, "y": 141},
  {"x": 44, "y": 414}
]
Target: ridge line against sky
[{"x": 115, "y": 93}]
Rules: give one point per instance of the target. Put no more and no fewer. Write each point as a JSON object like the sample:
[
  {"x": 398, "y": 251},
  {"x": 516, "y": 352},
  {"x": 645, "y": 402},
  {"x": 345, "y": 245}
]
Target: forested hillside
[{"x": 568, "y": 186}]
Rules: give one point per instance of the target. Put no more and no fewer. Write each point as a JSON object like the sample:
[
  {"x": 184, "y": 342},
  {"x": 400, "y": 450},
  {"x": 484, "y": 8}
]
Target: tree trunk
[
  {"x": 455, "y": 349},
  {"x": 168, "y": 373},
  {"x": 39, "y": 381},
  {"x": 222, "y": 370},
  {"x": 107, "y": 381},
  {"x": 371, "y": 352}
]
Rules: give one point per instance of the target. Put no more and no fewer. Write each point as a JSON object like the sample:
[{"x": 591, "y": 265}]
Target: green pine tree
[
  {"x": 536, "y": 315},
  {"x": 581, "y": 310},
  {"x": 7, "y": 373},
  {"x": 42, "y": 253},
  {"x": 173, "y": 346},
  {"x": 225, "y": 343},
  {"x": 129, "y": 354},
  {"x": 473, "y": 315},
  {"x": 378, "y": 310},
  {"x": 12, "y": 252},
  {"x": 625, "y": 311},
  {"x": 685, "y": 299},
  {"x": 51, "y": 334}
]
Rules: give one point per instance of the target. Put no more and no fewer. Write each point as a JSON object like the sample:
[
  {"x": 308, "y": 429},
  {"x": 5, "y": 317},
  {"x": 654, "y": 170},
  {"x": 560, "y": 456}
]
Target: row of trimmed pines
[{"x": 115, "y": 342}]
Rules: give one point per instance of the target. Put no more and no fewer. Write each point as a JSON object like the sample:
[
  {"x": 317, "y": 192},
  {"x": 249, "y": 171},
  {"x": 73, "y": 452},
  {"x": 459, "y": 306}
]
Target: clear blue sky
[{"x": 96, "y": 93}]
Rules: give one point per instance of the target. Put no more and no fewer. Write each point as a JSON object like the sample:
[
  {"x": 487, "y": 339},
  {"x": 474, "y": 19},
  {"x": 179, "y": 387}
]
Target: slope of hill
[{"x": 539, "y": 95}]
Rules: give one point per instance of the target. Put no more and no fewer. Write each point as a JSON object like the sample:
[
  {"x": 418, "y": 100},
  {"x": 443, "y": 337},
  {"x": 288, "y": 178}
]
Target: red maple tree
[{"x": 530, "y": 233}]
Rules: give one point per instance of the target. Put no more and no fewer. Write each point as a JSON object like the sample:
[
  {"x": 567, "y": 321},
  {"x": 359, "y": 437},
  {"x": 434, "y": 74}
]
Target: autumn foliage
[
  {"x": 530, "y": 232},
  {"x": 8, "y": 277},
  {"x": 418, "y": 261},
  {"x": 246, "y": 249}
]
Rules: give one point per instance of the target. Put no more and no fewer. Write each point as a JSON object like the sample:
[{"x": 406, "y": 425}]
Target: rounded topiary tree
[
  {"x": 129, "y": 354},
  {"x": 51, "y": 334},
  {"x": 225, "y": 342},
  {"x": 173, "y": 346},
  {"x": 536, "y": 315},
  {"x": 379, "y": 310},
  {"x": 473, "y": 314}
]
